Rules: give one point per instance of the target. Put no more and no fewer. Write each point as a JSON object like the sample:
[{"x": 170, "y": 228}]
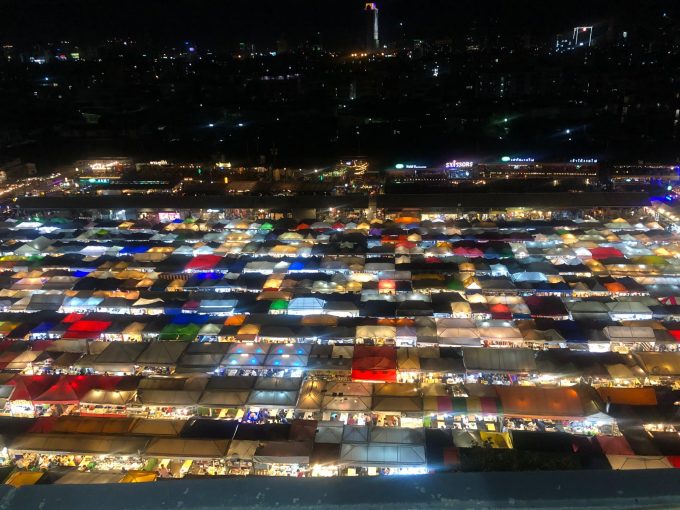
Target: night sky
[{"x": 334, "y": 23}]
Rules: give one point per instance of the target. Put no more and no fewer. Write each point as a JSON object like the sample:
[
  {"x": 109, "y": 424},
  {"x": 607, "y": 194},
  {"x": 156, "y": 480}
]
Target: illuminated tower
[
  {"x": 583, "y": 36},
  {"x": 372, "y": 39}
]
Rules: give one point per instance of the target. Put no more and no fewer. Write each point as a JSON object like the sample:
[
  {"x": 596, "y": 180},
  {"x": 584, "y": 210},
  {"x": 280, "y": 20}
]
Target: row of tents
[
  {"x": 331, "y": 444},
  {"x": 128, "y": 394},
  {"x": 73, "y": 330}
]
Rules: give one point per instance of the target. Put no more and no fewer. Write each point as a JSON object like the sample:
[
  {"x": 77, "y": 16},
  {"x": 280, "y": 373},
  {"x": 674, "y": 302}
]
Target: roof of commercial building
[
  {"x": 199, "y": 202},
  {"x": 500, "y": 200},
  {"x": 422, "y": 201}
]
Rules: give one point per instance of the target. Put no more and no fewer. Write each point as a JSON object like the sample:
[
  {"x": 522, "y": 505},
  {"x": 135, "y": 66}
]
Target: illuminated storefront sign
[
  {"x": 459, "y": 164},
  {"x": 411, "y": 166},
  {"x": 95, "y": 180},
  {"x": 167, "y": 217},
  {"x": 583, "y": 160},
  {"x": 508, "y": 159}
]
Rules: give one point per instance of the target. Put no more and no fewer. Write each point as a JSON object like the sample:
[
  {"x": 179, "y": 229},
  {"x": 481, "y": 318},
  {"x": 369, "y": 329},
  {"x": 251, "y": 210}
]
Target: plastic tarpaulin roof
[
  {"x": 157, "y": 427},
  {"x": 380, "y": 455},
  {"x": 659, "y": 363},
  {"x": 645, "y": 396},
  {"x": 273, "y": 398},
  {"x": 407, "y": 359},
  {"x": 242, "y": 449},
  {"x": 78, "y": 443},
  {"x": 81, "y": 425},
  {"x": 395, "y": 389},
  {"x": 614, "y": 445},
  {"x": 347, "y": 403},
  {"x": 463, "y": 405},
  {"x": 621, "y": 462},
  {"x": 397, "y": 435},
  {"x": 629, "y": 334},
  {"x": 169, "y": 397},
  {"x": 349, "y": 388},
  {"x": 537, "y": 402},
  {"x": 87, "y": 478},
  {"x": 397, "y": 404},
  {"x": 107, "y": 397},
  {"x": 329, "y": 432},
  {"x": 500, "y": 333},
  {"x": 499, "y": 360},
  {"x": 376, "y": 332},
  {"x": 22, "y": 478},
  {"x": 27, "y": 388},
  {"x": 161, "y": 353},
  {"x": 311, "y": 395},
  {"x": 284, "y": 452},
  {"x": 67, "y": 390},
  {"x": 374, "y": 363},
  {"x": 119, "y": 355},
  {"x": 224, "y": 398},
  {"x": 177, "y": 448}
]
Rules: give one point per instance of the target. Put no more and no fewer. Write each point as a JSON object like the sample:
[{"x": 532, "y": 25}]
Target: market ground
[{"x": 555, "y": 490}]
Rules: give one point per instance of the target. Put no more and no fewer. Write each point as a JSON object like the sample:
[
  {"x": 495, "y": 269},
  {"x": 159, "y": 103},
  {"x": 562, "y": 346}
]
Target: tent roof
[
  {"x": 499, "y": 360},
  {"x": 78, "y": 443},
  {"x": 161, "y": 353},
  {"x": 284, "y": 452},
  {"x": 157, "y": 427},
  {"x": 187, "y": 448},
  {"x": 537, "y": 402}
]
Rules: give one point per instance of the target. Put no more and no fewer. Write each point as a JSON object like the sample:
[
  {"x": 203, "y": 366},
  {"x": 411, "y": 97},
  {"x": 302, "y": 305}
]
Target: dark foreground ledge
[{"x": 568, "y": 489}]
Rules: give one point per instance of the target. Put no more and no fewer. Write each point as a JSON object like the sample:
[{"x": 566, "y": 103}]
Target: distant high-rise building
[
  {"x": 563, "y": 43},
  {"x": 372, "y": 36},
  {"x": 281, "y": 46},
  {"x": 583, "y": 36}
]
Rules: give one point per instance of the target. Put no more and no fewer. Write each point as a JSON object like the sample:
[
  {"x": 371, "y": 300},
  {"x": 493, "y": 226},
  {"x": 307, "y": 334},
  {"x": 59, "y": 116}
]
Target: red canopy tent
[
  {"x": 191, "y": 305},
  {"x": 394, "y": 239},
  {"x": 374, "y": 363},
  {"x": 84, "y": 329},
  {"x": 500, "y": 311},
  {"x": 387, "y": 285},
  {"x": 409, "y": 245},
  {"x": 203, "y": 263},
  {"x": 29, "y": 387},
  {"x": 62, "y": 392},
  {"x": 604, "y": 252},
  {"x": 69, "y": 389},
  {"x": 73, "y": 317},
  {"x": 468, "y": 252}
]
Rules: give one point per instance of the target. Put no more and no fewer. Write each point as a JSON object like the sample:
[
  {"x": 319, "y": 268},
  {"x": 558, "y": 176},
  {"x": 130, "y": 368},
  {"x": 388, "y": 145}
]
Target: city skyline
[{"x": 336, "y": 24}]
